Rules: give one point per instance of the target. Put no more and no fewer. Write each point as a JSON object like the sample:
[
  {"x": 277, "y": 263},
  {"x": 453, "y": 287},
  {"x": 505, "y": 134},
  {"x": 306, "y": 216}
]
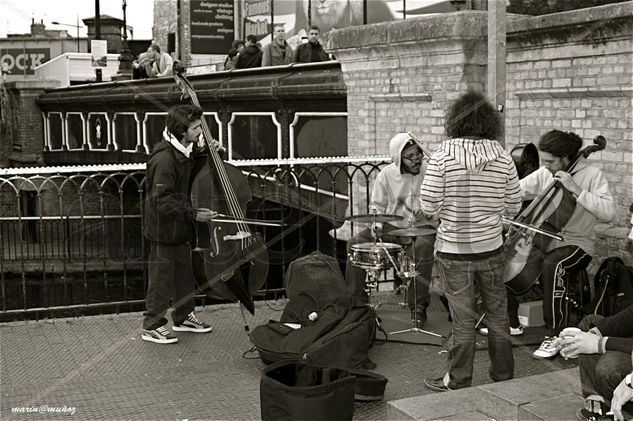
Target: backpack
[
  {"x": 613, "y": 287},
  {"x": 342, "y": 332}
]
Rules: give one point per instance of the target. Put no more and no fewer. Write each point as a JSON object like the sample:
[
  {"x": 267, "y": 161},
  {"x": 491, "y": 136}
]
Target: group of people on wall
[{"x": 250, "y": 54}]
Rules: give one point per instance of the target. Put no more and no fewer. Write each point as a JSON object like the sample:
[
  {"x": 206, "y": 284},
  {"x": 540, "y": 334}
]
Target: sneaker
[
  {"x": 419, "y": 315},
  {"x": 160, "y": 335},
  {"x": 436, "y": 385},
  {"x": 514, "y": 331},
  {"x": 585, "y": 415},
  {"x": 193, "y": 324},
  {"x": 547, "y": 348}
]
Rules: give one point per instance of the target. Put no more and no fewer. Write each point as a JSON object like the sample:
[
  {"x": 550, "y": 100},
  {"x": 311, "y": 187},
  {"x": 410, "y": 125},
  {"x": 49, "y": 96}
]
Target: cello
[
  {"x": 226, "y": 249},
  {"x": 533, "y": 229}
]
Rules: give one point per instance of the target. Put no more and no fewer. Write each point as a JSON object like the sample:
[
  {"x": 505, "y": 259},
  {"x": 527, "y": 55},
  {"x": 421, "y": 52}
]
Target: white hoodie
[
  {"x": 470, "y": 184},
  {"x": 395, "y": 192},
  {"x": 594, "y": 203}
]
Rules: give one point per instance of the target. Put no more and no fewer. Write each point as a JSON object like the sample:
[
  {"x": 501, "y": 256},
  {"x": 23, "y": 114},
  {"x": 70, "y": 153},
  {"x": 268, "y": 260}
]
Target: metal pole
[
  {"x": 497, "y": 58},
  {"x": 78, "y": 44}
]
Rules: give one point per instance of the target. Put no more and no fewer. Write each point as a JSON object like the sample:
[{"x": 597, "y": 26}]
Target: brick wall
[
  {"x": 570, "y": 71},
  {"x": 23, "y": 124},
  {"x": 165, "y": 22}
]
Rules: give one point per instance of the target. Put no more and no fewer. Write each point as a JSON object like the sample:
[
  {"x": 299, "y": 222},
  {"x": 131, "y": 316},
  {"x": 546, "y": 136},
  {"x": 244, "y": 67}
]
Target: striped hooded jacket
[{"x": 469, "y": 185}]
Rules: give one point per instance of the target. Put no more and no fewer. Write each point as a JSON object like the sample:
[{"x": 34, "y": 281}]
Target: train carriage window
[
  {"x": 75, "y": 130},
  {"x": 125, "y": 132},
  {"x": 254, "y": 136},
  {"x": 153, "y": 129},
  {"x": 56, "y": 135},
  {"x": 98, "y": 131}
]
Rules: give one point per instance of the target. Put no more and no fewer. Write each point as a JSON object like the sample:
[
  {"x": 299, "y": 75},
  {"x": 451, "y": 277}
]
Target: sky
[{"x": 15, "y": 15}]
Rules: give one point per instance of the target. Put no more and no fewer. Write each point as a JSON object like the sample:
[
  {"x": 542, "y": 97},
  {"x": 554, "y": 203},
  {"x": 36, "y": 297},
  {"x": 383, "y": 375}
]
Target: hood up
[{"x": 396, "y": 145}]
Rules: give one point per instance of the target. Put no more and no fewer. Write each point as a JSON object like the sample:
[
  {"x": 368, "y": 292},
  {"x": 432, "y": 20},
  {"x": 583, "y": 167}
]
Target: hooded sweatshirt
[
  {"x": 594, "y": 203},
  {"x": 470, "y": 184},
  {"x": 396, "y": 192}
]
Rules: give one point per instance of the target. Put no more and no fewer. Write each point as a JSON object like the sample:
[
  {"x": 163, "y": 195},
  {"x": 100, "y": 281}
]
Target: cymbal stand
[{"x": 409, "y": 274}]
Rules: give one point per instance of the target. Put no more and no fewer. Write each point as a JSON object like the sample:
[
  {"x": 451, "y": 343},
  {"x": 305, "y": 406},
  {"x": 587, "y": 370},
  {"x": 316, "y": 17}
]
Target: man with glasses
[
  {"x": 396, "y": 192},
  {"x": 311, "y": 51}
]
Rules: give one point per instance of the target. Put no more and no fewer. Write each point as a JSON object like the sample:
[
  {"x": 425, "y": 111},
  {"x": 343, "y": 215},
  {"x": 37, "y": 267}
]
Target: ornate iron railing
[{"x": 72, "y": 237}]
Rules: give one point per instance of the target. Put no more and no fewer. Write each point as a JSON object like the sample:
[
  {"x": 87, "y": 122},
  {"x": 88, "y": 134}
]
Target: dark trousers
[
  {"x": 424, "y": 246},
  {"x": 461, "y": 280},
  {"x": 170, "y": 276},
  {"x": 559, "y": 265},
  {"x": 600, "y": 374}
]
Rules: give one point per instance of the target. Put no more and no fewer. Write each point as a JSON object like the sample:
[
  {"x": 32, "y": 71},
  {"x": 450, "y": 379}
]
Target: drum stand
[{"x": 409, "y": 276}]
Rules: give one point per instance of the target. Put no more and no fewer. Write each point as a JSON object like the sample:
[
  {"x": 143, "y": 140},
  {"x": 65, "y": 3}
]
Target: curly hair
[
  {"x": 180, "y": 117},
  {"x": 473, "y": 115},
  {"x": 560, "y": 144}
]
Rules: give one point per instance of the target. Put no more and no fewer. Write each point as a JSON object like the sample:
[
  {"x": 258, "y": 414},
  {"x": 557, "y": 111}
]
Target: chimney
[{"x": 38, "y": 29}]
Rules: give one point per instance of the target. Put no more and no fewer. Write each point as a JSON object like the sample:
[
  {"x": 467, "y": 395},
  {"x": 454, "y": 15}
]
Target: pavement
[{"x": 98, "y": 368}]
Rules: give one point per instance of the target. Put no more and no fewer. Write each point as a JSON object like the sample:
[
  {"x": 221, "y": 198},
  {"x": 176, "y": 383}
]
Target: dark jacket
[
  {"x": 619, "y": 329},
  {"x": 168, "y": 210},
  {"x": 303, "y": 53},
  {"x": 250, "y": 57}
]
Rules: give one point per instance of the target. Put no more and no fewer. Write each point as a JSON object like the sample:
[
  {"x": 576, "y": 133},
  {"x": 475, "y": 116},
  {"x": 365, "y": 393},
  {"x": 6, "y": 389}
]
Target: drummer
[{"x": 396, "y": 191}]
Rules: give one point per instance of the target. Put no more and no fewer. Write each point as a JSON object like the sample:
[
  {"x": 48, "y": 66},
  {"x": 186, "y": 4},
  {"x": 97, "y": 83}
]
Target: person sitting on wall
[
  {"x": 252, "y": 55},
  {"x": 231, "y": 59},
  {"x": 604, "y": 346},
  {"x": 163, "y": 63},
  {"x": 311, "y": 51},
  {"x": 278, "y": 52},
  {"x": 142, "y": 66}
]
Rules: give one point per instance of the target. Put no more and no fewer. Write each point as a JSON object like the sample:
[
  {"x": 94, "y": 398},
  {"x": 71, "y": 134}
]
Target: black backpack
[
  {"x": 613, "y": 287},
  {"x": 342, "y": 332}
]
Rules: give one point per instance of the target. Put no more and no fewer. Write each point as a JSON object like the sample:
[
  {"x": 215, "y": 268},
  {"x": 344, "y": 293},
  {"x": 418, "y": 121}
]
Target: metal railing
[{"x": 72, "y": 237}]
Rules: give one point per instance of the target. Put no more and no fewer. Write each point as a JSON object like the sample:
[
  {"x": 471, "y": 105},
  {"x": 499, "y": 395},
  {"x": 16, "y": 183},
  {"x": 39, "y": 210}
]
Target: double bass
[
  {"x": 229, "y": 260},
  {"x": 533, "y": 229}
]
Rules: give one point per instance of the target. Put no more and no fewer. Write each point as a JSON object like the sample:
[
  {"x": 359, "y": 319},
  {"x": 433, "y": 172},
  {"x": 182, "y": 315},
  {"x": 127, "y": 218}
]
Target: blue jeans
[{"x": 461, "y": 280}]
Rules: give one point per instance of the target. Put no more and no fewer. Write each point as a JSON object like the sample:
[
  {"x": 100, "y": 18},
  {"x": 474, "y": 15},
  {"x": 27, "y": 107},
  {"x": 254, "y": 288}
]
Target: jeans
[
  {"x": 424, "y": 245},
  {"x": 170, "y": 275},
  {"x": 461, "y": 280},
  {"x": 601, "y": 373}
]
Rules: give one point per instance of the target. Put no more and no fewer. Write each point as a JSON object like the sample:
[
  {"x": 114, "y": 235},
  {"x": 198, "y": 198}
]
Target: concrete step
[{"x": 550, "y": 396}]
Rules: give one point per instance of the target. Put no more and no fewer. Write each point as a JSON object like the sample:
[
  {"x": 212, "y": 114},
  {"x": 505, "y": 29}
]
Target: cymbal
[
  {"x": 413, "y": 231},
  {"x": 374, "y": 217}
]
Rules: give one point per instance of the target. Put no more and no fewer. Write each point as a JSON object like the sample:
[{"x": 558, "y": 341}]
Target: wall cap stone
[
  {"x": 31, "y": 84},
  {"x": 401, "y": 97},
  {"x": 626, "y": 91},
  {"x": 465, "y": 25},
  {"x": 572, "y": 18}
]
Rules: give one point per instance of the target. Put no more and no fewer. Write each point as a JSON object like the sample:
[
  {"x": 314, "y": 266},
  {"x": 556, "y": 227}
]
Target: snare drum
[{"x": 374, "y": 256}]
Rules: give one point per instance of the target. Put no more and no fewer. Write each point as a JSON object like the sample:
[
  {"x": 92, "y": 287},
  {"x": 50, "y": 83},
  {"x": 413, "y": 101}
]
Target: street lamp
[{"x": 75, "y": 26}]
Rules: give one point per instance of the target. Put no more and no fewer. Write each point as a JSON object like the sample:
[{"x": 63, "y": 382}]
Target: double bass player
[
  {"x": 168, "y": 227},
  {"x": 590, "y": 189}
]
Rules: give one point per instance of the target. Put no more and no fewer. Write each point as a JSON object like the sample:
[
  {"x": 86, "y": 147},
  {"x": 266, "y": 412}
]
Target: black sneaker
[
  {"x": 436, "y": 385},
  {"x": 585, "y": 415},
  {"x": 419, "y": 316},
  {"x": 160, "y": 335},
  {"x": 193, "y": 324}
]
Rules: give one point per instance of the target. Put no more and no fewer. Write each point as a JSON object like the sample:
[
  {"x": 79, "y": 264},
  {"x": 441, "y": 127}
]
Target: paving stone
[{"x": 557, "y": 408}]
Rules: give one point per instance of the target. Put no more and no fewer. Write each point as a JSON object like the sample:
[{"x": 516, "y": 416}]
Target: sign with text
[
  {"x": 257, "y": 18},
  {"x": 23, "y": 61},
  {"x": 99, "y": 49},
  {"x": 212, "y": 26}
]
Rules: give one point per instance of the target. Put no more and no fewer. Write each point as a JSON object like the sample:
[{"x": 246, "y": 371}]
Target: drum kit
[{"x": 375, "y": 257}]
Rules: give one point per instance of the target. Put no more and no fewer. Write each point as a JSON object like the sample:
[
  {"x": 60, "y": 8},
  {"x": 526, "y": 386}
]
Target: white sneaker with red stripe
[{"x": 192, "y": 324}]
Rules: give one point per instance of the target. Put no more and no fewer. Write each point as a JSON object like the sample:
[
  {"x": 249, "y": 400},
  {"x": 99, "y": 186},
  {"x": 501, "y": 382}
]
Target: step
[{"x": 550, "y": 396}]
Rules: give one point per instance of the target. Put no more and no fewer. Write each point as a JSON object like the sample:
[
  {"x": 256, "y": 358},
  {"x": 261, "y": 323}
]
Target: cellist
[
  {"x": 594, "y": 202},
  {"x": 168, "y": 227}
]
